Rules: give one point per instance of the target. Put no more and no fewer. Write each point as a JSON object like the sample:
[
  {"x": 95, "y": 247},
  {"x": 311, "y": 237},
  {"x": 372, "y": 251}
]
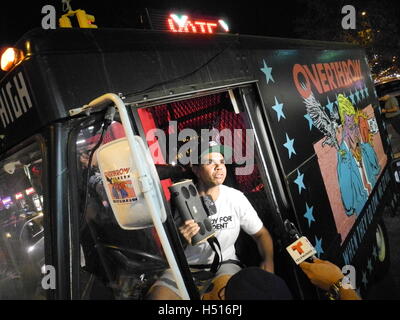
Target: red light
[
  {"x": 184, "y": 24},
  {"x": 189, "y": 23},
  {"x": 182, "y": 28},
  {"x": 210, "y": 26},
  {"x": 171, "y": 25},
  {"x": 29, "y": 191},
  {"x": 18, "y": 196},
  {"x": 201, "y": 24}
]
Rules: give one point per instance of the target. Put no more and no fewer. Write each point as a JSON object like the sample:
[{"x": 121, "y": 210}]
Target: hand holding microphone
[{"x": 321, "y": 273}]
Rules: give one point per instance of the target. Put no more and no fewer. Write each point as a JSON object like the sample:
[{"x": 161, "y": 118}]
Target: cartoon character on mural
[{"x": 357, "y": 162}]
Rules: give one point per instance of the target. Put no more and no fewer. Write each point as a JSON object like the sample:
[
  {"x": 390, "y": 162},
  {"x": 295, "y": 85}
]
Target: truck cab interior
[{"x": 123, "y": 264}]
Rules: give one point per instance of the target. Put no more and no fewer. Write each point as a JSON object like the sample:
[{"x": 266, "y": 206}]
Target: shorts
[{"x": 167, "y": 278}]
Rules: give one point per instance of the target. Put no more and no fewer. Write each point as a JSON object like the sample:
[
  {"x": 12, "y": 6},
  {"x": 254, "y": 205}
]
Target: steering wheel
[{"x": 136, "y": 260}]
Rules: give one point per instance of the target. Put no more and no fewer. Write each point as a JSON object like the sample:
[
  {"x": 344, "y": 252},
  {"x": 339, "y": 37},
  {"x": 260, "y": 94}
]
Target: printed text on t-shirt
[{"x": 221, "y": 222}]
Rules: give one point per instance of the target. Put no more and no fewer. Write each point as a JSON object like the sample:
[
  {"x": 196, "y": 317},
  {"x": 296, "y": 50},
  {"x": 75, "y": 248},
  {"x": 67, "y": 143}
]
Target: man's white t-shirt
[{"x": 234, "y": 211}]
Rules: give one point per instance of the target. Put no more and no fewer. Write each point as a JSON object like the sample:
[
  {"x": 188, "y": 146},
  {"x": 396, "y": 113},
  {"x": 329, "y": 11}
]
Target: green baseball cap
[
  {"x": 203, "y": 148},
  {"x": 214, "y": 146}
]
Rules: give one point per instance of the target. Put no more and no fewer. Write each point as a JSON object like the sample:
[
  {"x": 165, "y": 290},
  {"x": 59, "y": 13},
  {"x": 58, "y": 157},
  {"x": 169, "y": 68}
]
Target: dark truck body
[{"x": 66, "y": 69}]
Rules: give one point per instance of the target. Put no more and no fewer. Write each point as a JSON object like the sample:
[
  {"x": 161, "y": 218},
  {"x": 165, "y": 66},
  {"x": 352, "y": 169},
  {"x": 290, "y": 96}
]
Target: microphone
[
  {"x": 209, "y": 205},
  {"x": 185, "y": 197},
  {"x": 301, "y": 249}
]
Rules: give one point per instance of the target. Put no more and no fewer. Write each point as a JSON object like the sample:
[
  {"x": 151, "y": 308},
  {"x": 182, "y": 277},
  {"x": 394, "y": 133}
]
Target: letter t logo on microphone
[
  {"x": 298, "y": 248},
  {"x": 301, "y": 250}
]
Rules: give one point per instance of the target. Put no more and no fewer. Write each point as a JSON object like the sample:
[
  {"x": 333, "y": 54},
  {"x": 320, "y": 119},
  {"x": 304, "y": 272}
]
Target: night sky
[
  {"x": 245, "y": 17},
  {"x": 268, "y": 18}
]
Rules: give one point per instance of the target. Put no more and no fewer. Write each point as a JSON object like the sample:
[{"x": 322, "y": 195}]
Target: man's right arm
[
  {"x": 348, "y": 294},
  {"x": 324, "y": 274}
]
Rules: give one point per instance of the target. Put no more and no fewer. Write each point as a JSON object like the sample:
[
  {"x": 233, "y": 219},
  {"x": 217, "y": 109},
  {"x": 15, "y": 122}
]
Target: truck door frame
[
  {"x": 272, "y": 170},
  {"x": 248, "y": 93},
  {"x": 74, "y": 211},
  {"x": 59, "y": 206},
  {"x": 74, "y": 216}
]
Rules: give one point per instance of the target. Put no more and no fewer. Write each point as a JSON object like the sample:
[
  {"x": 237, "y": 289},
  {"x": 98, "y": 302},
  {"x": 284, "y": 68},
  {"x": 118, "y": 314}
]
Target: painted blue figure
[
  {"x": 370, "y": 162},
  {"x": 350, "y": 159},
  {"x": 351, "y": 186},
  {"x": 355, "y": 155}
]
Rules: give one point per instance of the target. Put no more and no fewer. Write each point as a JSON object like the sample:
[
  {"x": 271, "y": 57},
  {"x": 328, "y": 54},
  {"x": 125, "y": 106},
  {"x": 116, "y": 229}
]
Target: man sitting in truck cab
[{"x": 234, "y": 212}]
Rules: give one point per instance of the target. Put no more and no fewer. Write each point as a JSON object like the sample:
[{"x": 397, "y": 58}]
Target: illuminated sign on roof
[
  {"x": 184, "y": 23},
  {"x": 181, "y": 22}
]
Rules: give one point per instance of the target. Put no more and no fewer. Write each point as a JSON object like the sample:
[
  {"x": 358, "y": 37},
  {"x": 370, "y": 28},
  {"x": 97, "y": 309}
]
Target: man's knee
[{"x": 162, "y": 293}]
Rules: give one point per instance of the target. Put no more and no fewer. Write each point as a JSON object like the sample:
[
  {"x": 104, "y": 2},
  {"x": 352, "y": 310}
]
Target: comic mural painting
[
  {"x": 351, "y": 155},
  {"x": 321, "y": 108},
  {"x": 348, "y": 157}
]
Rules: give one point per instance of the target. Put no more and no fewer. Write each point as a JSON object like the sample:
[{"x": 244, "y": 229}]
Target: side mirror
[{"x": 125, "y": 184}]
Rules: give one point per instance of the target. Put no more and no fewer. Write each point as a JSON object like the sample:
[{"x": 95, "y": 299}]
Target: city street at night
[{"x": 187, "y": 150}]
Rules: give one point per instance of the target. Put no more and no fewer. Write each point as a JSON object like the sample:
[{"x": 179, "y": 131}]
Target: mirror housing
[{"x": 125, "y": 185}]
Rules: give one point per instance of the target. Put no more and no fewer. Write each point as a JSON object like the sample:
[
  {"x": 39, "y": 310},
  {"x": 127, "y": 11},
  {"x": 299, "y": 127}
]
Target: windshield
[
  {"x": 21, "y": 225},
  {"x": 115, "y": 263}
]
